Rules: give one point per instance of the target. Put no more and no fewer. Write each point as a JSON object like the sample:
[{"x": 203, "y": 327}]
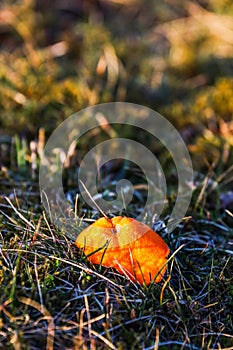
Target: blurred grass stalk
[
  {"x": 23, "y": 155},
  {"x": 21, "y": 149}
]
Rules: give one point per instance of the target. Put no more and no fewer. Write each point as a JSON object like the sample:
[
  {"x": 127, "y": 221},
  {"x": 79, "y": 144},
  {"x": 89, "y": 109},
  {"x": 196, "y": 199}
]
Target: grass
[
  {"x": 52, "y": 297},
  {"x": 174, "y": 57}
]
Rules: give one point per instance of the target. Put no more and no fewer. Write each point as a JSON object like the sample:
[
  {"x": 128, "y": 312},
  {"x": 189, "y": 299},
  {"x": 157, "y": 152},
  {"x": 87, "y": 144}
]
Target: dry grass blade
[
  {"x": 156, "y": 346},
  {"x": 104, "y": 340},
  {"x": 87, "y": 270},
  {"x": 19, "y": 214},
  {"x": 219, "y": 25},
  {"x": 93, "y": 201},
  {"x": 47, "y": 317},
  {"x": 229, "y": 213}
]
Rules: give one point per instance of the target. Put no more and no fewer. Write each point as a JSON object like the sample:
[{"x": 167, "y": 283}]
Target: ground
[{"x": 58, "y": 59}]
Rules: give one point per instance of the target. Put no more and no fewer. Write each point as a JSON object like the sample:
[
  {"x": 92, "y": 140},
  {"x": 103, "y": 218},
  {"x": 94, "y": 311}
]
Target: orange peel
[{"x": 127, "y": 245}]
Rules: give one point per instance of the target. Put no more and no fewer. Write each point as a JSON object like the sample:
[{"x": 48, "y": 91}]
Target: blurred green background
[{"x": 59, "y": 57}]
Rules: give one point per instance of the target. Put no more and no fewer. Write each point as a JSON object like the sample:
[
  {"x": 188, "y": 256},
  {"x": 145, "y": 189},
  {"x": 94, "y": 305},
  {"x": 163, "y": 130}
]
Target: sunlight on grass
[{"x": 55, "y": 60}]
